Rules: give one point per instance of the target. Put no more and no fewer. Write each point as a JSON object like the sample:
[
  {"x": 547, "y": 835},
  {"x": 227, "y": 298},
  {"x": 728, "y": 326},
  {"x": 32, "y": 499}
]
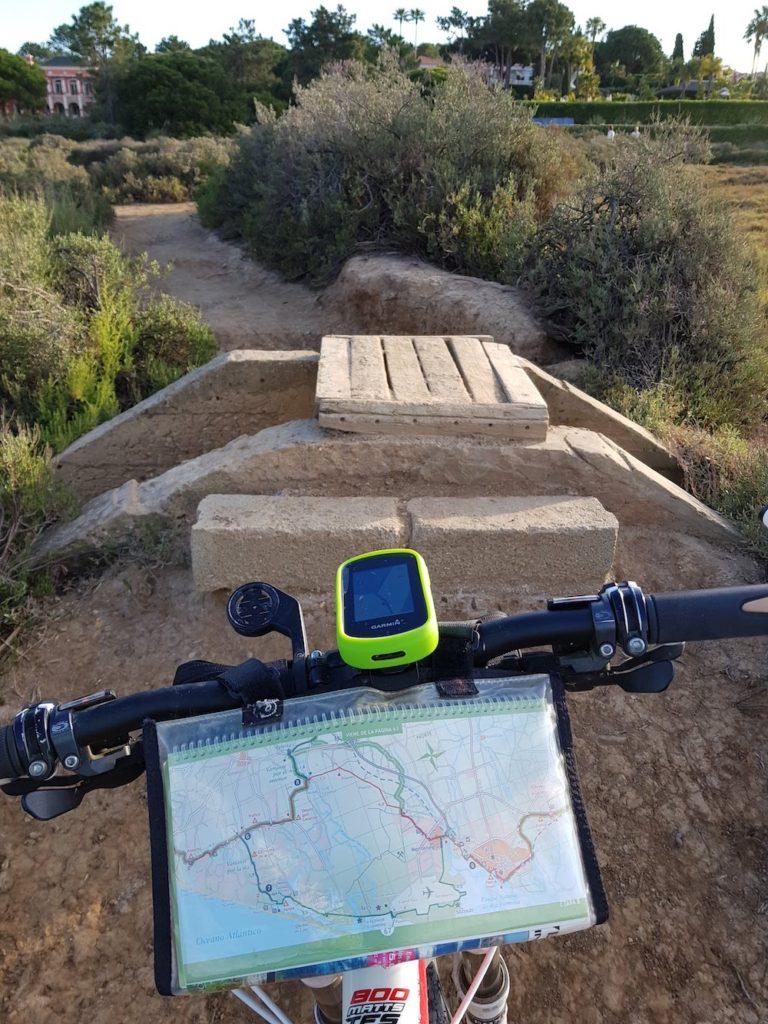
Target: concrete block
[
  {"x": 568, "y": 406},
  {"x": 294, "y": 543},
  {"x": 535, "y": 545},
  {"x": 106, "y": 522},
  {"x": 300, "y": 458},
  {"x": 236, "y": 393}
]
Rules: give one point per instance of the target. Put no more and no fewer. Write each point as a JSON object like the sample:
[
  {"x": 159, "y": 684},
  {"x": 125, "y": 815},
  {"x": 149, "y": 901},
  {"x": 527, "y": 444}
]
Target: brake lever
[
  {"x": 651, "y": 672},
  {"x": 61, "y": 794}
]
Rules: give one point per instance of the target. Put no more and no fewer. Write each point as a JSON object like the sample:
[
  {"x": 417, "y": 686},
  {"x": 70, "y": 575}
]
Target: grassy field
[{"x": 746, "y": 190}]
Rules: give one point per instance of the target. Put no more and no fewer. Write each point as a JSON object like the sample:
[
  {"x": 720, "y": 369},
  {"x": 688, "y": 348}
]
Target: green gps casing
[{"x": 389, "y": 651}]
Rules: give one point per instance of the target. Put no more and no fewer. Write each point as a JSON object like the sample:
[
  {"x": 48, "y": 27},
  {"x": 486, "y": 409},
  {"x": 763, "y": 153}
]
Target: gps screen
[{"x": 380, "y": 592}]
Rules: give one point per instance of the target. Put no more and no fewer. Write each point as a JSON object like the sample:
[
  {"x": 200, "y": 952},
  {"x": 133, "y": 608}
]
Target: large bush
[
  {"x": 38, "y": 334},
  {"x": 43, "y": 168},
  {"x": 367, "y": 158},
  {"x": 81, "y": 180},
  {"x": 643, "y": 272}
]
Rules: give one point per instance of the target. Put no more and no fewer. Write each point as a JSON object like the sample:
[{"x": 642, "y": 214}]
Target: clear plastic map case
[{"x": 364, "y": 828}]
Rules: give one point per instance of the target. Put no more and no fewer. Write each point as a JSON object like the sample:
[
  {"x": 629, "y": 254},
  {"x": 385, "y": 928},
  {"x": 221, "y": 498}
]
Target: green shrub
[
  {"x": 78, "y": 129},
  {"x": 38, "y": 334},
  {"x": 729, "y": 473},
  {"x": 366, "y": 158},
  {"x": 701, "y": 112},
  {"x": 645, "y": 274},
  {"x": 170, "y": 340},
  {"x": 29, "y": 501},
  {"x": 159, "y": 171},
  {"x": 132, "y": 348},
  {"x": 77, "y": 341},
  {"x": 42, "y": 168}
]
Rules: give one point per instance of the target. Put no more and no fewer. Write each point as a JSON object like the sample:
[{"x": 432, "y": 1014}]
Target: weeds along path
[{"x": 246, "y": 305}]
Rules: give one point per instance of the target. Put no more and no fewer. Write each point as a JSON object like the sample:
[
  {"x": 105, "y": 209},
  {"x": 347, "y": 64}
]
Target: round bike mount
[{"x": 252, "y": 609}]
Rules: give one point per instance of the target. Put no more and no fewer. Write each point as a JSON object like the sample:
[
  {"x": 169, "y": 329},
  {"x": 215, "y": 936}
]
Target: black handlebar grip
[
  {"x": 10, "y": 765},
  {"x": 708, "y": 614}
]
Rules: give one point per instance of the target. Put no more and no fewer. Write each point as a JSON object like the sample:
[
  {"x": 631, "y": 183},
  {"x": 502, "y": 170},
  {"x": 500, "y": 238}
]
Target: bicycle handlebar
[
  {"x": 718, "y": 614},
  {"x": 592, "y": 626}
]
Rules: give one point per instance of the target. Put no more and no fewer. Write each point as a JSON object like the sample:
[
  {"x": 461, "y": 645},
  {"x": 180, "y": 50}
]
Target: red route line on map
[{"x": 191, "y": 859}]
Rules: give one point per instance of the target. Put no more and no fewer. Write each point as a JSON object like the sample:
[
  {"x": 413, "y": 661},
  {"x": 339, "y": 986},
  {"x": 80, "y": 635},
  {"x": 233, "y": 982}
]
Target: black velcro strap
[
  {"x": 198, "y": 672},
  {"x": 252, "y": 681},
  {"x": 455, "y": 656}
]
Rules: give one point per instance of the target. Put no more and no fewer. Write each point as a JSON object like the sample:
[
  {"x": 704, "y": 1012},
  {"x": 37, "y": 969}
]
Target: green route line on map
[{"x": 191, "y": 859}]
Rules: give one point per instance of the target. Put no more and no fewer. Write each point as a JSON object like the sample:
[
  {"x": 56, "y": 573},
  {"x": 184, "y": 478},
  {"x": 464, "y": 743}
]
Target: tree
[
  {"x": 179, "y": 93},
  {"x": 400, "y": 16},
  {"x": 330, "y": 36},
  {"x": 633, "y": 49},
  {"x": 757, "y": 30},
  {"x": 251, "y": 61},
  {"x": 678, "y": 55},
  {"x": 506, "y": 35},
  {"x": 416, "y": 15},
  {"x": 457, "y": 21},
  {"x": 595, "y": 27},
  {"x": 705, "y": 44},
  {"x": 22, "y": 83},
  {"x": 552, "y": 24},
  {"x": 577, "y": 55},
  {"x": 172, "y": 44},
  {"x": 39, "y": 51},
  {"x": 95, "y": 37},
  {"x": 710, "y": 68}
]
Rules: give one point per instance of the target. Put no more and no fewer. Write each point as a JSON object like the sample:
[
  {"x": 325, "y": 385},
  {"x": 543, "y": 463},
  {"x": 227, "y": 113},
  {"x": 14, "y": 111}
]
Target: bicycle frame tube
[
  {"x": 394, "y": 994},
  {"x": 379, "y": 994}
]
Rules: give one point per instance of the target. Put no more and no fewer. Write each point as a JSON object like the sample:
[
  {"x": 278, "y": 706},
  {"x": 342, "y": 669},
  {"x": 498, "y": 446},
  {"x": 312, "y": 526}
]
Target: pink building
[{"x": 70, "y": 86}]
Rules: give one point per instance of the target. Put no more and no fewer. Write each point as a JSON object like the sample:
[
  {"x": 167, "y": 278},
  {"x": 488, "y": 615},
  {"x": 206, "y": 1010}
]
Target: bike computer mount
[{"x": 256, "y": 609}]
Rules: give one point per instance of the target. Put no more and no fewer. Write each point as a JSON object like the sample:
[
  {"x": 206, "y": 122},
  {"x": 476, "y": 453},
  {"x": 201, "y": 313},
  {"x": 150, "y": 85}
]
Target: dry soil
[
  {"x": 246, "y": 305},
  {"x": 676, "y": 785}
]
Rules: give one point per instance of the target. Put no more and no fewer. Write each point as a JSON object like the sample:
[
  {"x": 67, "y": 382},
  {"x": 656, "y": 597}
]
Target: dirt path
[
  {"x": 247, "y": 306},
  {"x": 676, "y": 787}
]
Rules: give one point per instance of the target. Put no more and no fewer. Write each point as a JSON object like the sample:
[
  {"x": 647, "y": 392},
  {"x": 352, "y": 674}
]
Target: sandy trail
[
  {"x": 246, "y": 305},
  {"x": 676, "y": 787}
]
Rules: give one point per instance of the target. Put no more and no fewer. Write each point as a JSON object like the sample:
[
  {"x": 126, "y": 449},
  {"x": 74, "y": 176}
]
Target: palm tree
[
  {"x": 757, "y": 29},
  {"x": 400, "y": 16},
  {"x": 416, "y": 15},
  {"x": 595, "y": 27}
]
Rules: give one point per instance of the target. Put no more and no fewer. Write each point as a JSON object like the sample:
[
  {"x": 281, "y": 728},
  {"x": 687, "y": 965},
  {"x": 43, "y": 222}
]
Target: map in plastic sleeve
[{"x": 365, "y": 828}]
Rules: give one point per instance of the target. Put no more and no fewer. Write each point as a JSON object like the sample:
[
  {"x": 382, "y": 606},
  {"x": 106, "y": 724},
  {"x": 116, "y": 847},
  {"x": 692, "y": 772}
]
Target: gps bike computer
[{"x": 385, "y": 615}]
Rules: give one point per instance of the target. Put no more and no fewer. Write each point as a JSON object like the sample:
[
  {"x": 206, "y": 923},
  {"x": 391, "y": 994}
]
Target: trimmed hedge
[
  {"x": 704, "y": 112},
  {"x": 739, "y": 134}
]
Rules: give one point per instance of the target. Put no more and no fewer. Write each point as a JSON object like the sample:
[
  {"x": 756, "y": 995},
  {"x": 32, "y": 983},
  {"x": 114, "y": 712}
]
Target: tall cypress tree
[
  {"x": 677, "y": 54},
  {"x": 705, "y": 44}
]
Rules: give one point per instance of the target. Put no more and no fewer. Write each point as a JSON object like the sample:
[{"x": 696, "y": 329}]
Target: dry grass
[{"x": 745, "y": 189}]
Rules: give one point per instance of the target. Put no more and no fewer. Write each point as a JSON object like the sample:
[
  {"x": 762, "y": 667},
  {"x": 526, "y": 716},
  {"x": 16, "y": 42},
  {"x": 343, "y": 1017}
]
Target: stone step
[
  {"x": 532, "y": 545},
  {"x": 300, "y": 458}
]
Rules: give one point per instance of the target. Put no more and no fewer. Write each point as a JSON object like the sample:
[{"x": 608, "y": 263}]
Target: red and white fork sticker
[{"x": 386, "y": 995}]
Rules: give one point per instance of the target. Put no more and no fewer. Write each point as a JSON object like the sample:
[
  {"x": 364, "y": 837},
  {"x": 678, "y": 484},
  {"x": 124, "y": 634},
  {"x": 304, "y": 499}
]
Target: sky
[{"x": 197, "y": 22}]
